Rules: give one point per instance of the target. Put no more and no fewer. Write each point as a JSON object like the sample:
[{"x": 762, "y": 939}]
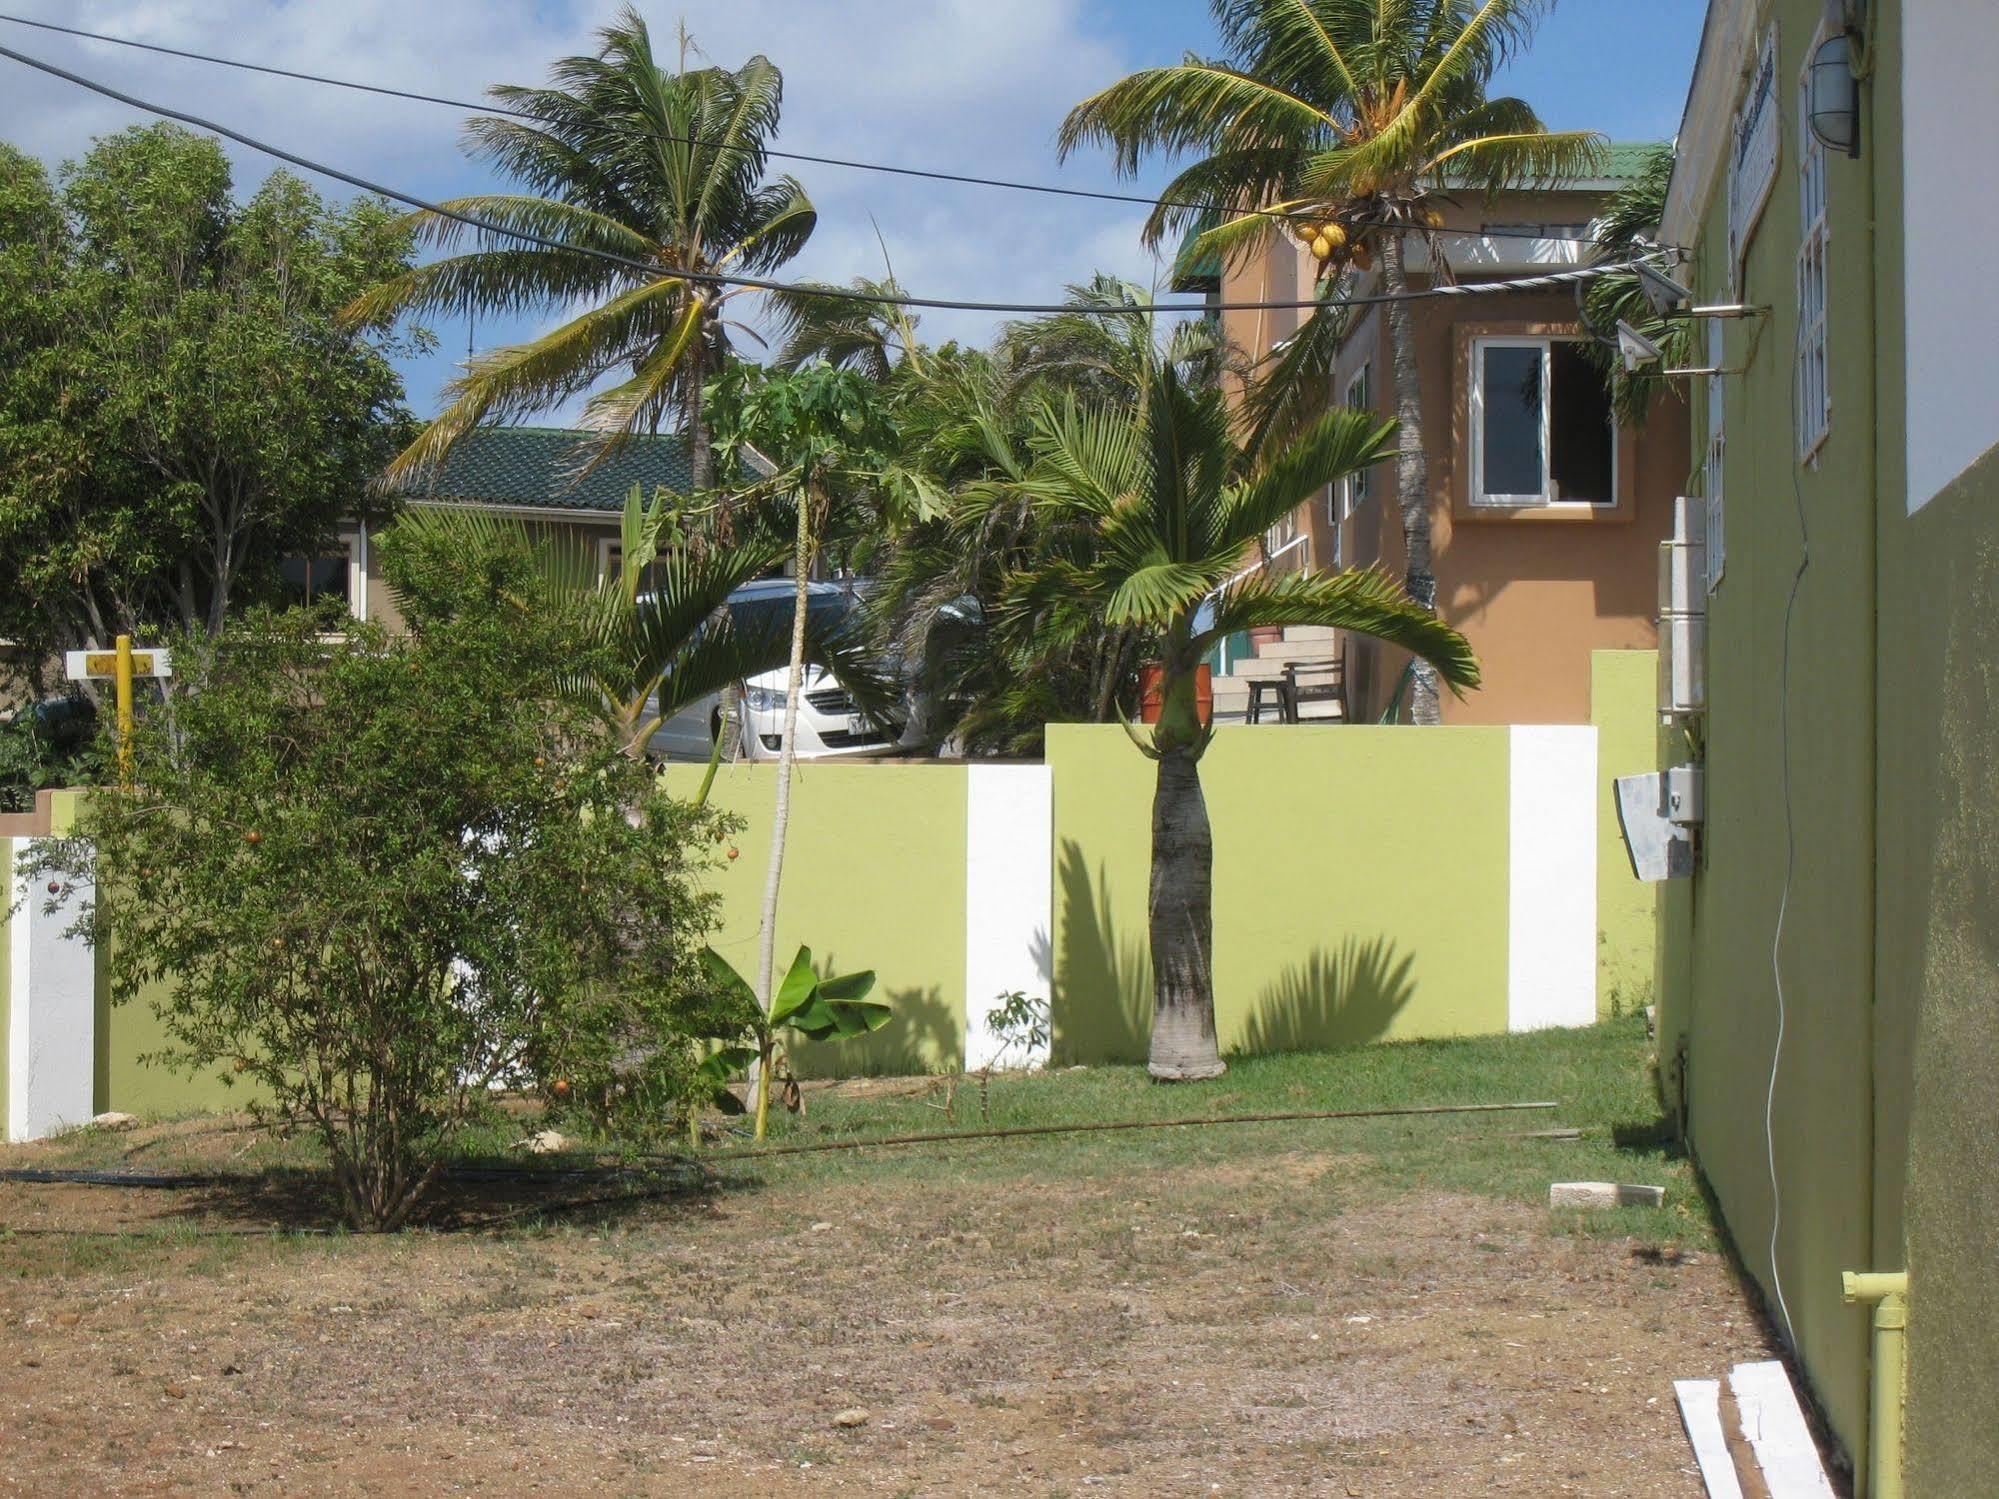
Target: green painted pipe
[{"x": 1889, "y": 1292}]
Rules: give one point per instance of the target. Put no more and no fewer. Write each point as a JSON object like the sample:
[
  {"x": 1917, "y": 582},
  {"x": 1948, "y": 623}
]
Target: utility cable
[
  {"x": 1790, "y": 841},
  {"x": 965, "y": 179},
  {"x": 655, "y": 271}
]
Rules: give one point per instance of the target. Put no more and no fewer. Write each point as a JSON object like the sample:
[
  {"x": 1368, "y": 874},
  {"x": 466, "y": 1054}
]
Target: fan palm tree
[
  {"x": 1339, "y": 122},
  {"x": 1166, "y": 488},
  {"x": 619, "y": 156}
]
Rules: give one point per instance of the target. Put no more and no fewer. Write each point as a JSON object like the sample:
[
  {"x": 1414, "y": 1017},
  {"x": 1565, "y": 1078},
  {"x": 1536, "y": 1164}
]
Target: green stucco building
[{"x": 1847, "y": 884}]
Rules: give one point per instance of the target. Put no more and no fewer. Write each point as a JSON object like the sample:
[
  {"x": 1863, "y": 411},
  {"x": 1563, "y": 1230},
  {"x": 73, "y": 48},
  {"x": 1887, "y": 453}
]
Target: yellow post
[
  {"x": 124, "y": 693},
  {"x": 1889, "y": 1291}
]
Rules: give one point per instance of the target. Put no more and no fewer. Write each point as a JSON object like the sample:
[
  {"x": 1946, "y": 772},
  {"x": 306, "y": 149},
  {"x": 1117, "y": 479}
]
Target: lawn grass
[{"x": 1597, "y": 1077}]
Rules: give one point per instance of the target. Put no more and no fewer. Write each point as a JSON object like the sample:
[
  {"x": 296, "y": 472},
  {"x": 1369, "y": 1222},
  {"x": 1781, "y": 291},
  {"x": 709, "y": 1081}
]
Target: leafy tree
[
  {"x": 179, "y": 405},
  {"x": 1166, "y": 488},
  {"x": 660, "y": 632},
  {"x": 1340, "y": 123},
  {"x": 618, "y": 155},
  {"x": 376, "y": 878}
]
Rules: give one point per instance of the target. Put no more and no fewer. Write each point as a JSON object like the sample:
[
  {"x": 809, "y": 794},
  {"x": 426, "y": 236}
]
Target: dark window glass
[
  {"x": 1510, "y": 430},
  {"x": 1579, "y": 427},
  {"x": 314, "y": 582}
]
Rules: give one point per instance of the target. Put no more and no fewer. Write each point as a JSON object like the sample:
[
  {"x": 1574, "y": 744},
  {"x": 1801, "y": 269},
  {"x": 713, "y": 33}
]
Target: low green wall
[
  {"x": 874, "y": 877},
  {"x": 1360, "y": 886},
  {"x": 1623, "y": 691}
]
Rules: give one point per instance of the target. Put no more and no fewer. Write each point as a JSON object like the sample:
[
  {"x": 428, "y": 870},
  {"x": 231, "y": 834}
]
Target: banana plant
[{"x": 805, "y": 1006}]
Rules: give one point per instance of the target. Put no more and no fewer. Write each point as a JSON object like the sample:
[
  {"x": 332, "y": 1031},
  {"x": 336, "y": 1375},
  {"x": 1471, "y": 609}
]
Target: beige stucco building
[{"x": 1545, "y": 515}]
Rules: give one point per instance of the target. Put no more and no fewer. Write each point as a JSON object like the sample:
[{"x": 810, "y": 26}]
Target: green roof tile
[{"x": 536, "y": 466}]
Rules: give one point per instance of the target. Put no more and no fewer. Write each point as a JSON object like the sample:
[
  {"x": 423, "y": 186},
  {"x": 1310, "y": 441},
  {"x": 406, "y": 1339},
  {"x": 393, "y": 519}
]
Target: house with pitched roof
[{"x": 529, "y": 472}]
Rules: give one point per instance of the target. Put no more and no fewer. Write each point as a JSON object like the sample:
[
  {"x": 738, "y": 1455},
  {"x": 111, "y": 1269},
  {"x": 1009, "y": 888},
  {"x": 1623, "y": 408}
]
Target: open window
[
  {"x": 1541, "y": 428},
  {"x": 332, "y": 583}
]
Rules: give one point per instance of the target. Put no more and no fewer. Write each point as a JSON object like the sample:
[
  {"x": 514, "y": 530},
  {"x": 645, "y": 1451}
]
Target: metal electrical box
[
  {"x": 1683, "y": 612},
  {"x": 1657, "y": 813}
]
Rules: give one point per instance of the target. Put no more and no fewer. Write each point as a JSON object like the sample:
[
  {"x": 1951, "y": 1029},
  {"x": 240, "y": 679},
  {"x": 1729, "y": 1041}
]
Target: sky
[{"x": 960, "y": 85}]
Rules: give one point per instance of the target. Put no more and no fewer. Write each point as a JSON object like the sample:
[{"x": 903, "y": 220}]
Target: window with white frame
[
  {"x": 1542, "y": 432},
  {"x": 1350, "y": 493},
  {"x": 1717, "y": 551},
  {"x": 333, "y": 582},
  {"x": 1814, "y": 393}
]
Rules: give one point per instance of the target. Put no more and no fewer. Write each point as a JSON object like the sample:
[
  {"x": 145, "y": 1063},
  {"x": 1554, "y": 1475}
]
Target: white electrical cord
[{"x": 1790, "y": 844}]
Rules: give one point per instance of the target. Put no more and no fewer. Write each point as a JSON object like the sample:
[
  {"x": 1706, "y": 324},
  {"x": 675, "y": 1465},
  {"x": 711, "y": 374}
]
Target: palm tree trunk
[
  {"x": 700, "y": 442},
  {"x": 1412, "y": 483},
  {"x": 781, "y": 816},
  {"x": 1181, "y": 916}
]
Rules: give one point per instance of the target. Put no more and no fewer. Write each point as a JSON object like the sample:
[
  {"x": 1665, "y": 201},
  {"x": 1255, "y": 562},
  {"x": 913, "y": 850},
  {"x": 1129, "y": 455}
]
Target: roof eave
[{"x": 1701, "y": 147}]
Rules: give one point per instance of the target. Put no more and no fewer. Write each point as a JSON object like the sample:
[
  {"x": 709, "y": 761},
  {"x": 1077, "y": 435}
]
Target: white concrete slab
[
  {"x": 1700, "y": 1413},
  {"x": 1774, "y": 1424}
]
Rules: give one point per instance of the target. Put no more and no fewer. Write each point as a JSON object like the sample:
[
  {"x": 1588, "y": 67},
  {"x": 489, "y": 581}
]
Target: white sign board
[
  {"x": 81, "y": 666},
  {"x": 1752, "y": 163}
]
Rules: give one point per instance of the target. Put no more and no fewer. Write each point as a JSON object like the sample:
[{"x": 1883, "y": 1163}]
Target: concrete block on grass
[{"x": 1604, "y": 1195}]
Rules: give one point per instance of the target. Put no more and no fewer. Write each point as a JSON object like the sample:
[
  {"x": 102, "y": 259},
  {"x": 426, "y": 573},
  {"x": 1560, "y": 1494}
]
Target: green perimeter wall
[
  {"x": 1360, "y": 886},
  {"x": 874, "y": 877},
  {"x": 1624, "y": 688}
]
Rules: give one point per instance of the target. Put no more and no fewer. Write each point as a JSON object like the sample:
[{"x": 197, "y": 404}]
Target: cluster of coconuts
[{"x": 1331, "y": 243}]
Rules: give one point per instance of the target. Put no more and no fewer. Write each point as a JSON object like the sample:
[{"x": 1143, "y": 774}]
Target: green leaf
[
  {"x": 796, "y": 990},
  {"x": 724, "y": 976},
  {"x": 848, "y": 987}
]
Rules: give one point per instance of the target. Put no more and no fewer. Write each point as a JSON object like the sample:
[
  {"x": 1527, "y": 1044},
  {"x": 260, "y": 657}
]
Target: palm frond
[{"x": 1361, "y": 600}]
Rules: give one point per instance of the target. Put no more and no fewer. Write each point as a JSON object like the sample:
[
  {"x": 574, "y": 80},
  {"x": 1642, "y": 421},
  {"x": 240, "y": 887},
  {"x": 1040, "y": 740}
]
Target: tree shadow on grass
[
  {"x": 471, "y": 1197},
  {"x": 1344, "y": 998},
  {"x": 1102, "y": 1009}
]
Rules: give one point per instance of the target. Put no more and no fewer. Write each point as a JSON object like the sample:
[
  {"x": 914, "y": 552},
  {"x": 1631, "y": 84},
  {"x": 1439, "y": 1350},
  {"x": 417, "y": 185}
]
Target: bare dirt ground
[{"x": 1265, "y": 1318}]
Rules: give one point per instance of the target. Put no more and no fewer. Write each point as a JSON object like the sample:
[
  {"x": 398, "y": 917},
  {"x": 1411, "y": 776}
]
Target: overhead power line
[
  {"x": 417, "y": 96},
  {"x": 654, "y": 271}
]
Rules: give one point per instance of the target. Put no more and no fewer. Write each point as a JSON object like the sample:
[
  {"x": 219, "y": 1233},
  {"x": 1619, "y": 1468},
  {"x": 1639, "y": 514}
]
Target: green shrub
[{"x": 381, "y": 877}]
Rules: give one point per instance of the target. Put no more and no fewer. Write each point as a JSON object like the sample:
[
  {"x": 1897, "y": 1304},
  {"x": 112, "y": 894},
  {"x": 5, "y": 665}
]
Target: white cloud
[{"x": 962, "y": 86}]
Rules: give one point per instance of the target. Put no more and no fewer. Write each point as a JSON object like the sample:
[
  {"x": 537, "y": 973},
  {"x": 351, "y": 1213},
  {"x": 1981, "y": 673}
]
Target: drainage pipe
[{"x": 1889, "y": 1292}]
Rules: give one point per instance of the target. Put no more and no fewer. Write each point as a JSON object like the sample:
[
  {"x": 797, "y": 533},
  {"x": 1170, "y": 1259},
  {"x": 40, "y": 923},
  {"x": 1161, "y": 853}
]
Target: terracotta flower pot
[{"x": 1149, "y": 678}]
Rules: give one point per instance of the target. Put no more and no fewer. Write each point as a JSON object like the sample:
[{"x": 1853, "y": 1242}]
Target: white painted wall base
[
  {"x": 51, "y": 1010},
  {"x": 1551, "y": 877},
  {"x": 1009, "y": 896}
]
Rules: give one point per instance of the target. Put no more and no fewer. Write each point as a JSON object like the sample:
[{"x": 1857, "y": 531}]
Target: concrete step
[
  {"x": 1262, "y": 668},
  {"x": 1297, "y": 650},
  {"x": 1310, "y": 632}
]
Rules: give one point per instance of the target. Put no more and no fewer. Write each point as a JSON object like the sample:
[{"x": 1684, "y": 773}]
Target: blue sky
[{"x": 963, "y": 85}]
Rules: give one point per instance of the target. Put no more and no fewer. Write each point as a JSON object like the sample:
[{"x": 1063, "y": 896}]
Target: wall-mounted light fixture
[
  {"x": 1835, "y": 98},
  {"x": 1637, "y": 351},
  {"x": 1836, "y": 70}
]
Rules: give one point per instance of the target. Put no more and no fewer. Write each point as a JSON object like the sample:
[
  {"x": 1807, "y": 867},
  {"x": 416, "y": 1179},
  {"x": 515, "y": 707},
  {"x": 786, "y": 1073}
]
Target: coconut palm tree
[
  {"x": 1174, "y": 505},
  {"x": 618, "y": 155},
  {"x": 1340, "y": 122}
]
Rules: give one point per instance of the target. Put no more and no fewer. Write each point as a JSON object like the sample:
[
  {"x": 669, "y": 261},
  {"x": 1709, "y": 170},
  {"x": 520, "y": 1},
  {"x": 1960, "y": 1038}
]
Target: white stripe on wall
[
  {"x": 1009, "y": 894},
  {"x": 1551, "y": 877},
  {"x": 51, "y": 1009}
]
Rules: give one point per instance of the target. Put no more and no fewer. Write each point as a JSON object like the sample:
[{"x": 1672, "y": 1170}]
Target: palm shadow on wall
[
  {"x": 1347, "y": 997},
  {"x": 1103, "y": 979}
]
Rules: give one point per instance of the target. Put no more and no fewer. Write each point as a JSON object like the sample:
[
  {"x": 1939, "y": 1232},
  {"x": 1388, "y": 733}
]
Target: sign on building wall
[{"x": 1752, "y": 161}]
